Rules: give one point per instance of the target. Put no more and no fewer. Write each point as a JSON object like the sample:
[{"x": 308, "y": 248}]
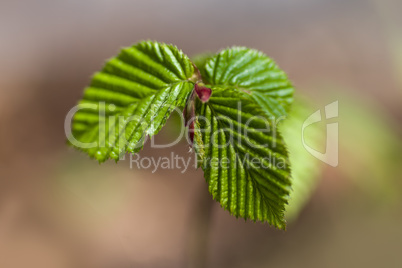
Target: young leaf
[
  {"x": 132, "y": 97},
  {"x": 244, "y": 159},
  {"x": 200, "y": 59},
  {"x": 253, "y": 72}
]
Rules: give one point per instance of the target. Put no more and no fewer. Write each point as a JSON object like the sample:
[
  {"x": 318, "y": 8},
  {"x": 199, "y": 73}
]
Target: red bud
[
  {"x": 203, "y": 92},
  {"x": 189, "y": 109},
  {"x": 191, "y": 132}
]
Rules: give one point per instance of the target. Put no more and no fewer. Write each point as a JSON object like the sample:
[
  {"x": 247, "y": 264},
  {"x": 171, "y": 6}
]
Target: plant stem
[{"x": 197, "y": 249}]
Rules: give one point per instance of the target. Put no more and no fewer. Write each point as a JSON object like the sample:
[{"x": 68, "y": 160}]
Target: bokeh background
[{"x": 58, "y": 208}]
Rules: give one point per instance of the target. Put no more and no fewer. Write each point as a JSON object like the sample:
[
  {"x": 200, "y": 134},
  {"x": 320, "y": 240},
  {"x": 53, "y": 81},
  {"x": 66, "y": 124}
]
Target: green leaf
[
  {"x": 253, "y": 72},
  {"x": 200, "y": 60},
  {"x": 306, "y": 169},
  {"x": 131, "y": 98},
  {"x": 244, "y": 158}
]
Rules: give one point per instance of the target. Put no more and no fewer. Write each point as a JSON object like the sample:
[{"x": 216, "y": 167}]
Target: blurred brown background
[{"x": 60, "y": 209}]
